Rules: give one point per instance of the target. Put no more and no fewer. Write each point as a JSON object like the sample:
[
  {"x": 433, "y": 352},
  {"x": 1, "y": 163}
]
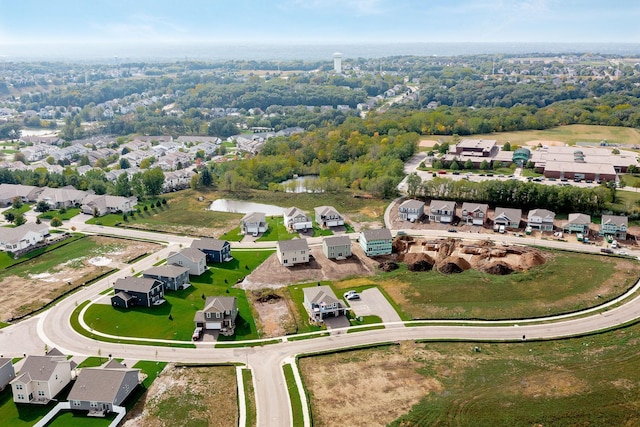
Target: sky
[{"x": 68, "y": 23}]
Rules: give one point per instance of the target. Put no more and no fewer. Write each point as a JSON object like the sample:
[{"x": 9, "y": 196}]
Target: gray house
[
  {"x": 411, "y": 210},
  {"x": 173, "y": 277},
  {"x": 219, "y": 314},
  {"x": 474, "y": 213},
  {"x": 7, "y": 372},
  {"x": 191, "y": 258},
  {"x": 139, "y": 291},
  {"x": 292, "y": 252},
  {"x": 295, "y": 219},
  {"x": 336, "y": 247},
  {"x": 98, "y": 390},
  {"x": 320, "y": 302},
  {"x": 510, "y": 218}
]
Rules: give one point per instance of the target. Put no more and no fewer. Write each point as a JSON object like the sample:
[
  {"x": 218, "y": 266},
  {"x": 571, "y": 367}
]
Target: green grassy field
[
  {"x": 80, "y": 419},
  {"x": 67, "y": 215},
  {"x": 182, "y": 305},
  {"x": 276, "y": 231},
  {"x": 569, "y": 134},
  {"x": 15, "y": 415},
  {"x": 250, "y": 397},
  {"x": 294, "y": 396},
  {"x": 566, "y": 282}
]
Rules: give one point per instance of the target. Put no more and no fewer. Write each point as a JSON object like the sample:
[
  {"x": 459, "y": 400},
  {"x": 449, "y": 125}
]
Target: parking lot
[{"x": 372, "y": 302}]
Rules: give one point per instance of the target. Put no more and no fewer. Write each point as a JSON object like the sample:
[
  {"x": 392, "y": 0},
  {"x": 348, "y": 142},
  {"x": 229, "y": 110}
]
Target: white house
[
  {"x": 320, "y": 302},
  {"x": 23, "y": 236},
  {"x": 191, "y": 258},
  {"x": 510, "y": 218},
  {"x": 411, "y": 210},
  {"x": 105, "y": 204},
  {"x": 442, "y": 211},
  {"x": 541, "y": 219},
  {"x": 295, "y": 219},
  {"x": 41, "y": 378},
  {"x": 254, "y": 223}
]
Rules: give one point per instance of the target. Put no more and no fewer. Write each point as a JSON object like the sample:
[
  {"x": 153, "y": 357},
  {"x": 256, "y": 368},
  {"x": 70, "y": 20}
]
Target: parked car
[
  {"x": 351, "y": 295},
  {"x": 452, "y": 230},
  {"x": 197, "y": 333}
]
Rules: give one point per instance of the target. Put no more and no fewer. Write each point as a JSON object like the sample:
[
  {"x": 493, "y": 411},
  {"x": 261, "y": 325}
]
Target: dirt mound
[
  {"x": 401, "y": 244},
  {"x": 266, "y": 296},
  {"x": 388, "y": 266},
  {"x": 531, "y": 259},
  {"x": 422, "y": 265},
  {"x": 499, "y": 269},
  {"x": 453, "y": 264},
  {"x": 413, "y": 257}
]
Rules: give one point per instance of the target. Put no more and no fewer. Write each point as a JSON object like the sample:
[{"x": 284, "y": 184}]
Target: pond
[
  {"x": 301, "y": 184},
  {"x": 239, "y": 206}
]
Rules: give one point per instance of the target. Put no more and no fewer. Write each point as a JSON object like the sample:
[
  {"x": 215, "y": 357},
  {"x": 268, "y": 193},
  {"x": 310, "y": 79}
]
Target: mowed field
[
  {"x": 586, "y": 381},
  {"x": 569, "y": 134}
]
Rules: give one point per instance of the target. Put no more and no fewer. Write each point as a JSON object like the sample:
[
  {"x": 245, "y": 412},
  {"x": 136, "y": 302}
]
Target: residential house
[
  {"x": 215, "y": 250},
  {"x": 376, "y": 242},
  {"x": 23, "y": 237},
  {"x": 104, "y": 204},
  {"x": 320, "y": 302},
  {"x": 191, "y": 258},
  {"x": 99, "y": 390},
  {"x": 510, "y": 218},
  {"x": 7, "y": 374},
  {"x": 173, "y": 277},
  {"x": 254, "y": 223},
  {"x": 140, "y": 291},
  {"x": 219, "y": 314},
  {"x": 41, "y": 378},
  {"x": 411, "y": 210},
  {"x": 577, "y": 223},
  {"x": 295, "y": 219},
  {"x": 292, "y": 252},
  {"x": 541, "y": 219},
  {"x": 26, "y": 193},
  {"x": 474, "y": 213},
  {"x": 442, "y": 211},
  {"x": 614, "y": 225},
  {"x": 328, "y": 216},
  {"x": 65, "y": 197},
  {"x": 336, "y": 247}
]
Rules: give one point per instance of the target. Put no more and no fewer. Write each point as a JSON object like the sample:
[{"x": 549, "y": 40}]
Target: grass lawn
[
  {"x": 21, "y": 210},
  {"x": 294, "y": 396},
  {"x": 249, "y": 397},
  {"x": 567, "y": 282},
  {"x": 321, "y": 232},
  {"x": 569, "y": 134},
  {"x": 18, "y": 415},
  {"x": 67, "y": 215},
  {"x": 183, "y": 304},
  {"x": 232, "y": 235},
  {"x": 80, "y": 419},
  {"x": 626, "y": 201},
  {"x": 4, "y": 325},
  {"x": 276, "y": 231},
  {"x": 94, "y": 361},
  {"x": 49, "y": 254}
]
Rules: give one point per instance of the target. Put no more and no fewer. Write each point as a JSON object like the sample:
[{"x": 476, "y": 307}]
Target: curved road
[{"x": 53, "y": 328}]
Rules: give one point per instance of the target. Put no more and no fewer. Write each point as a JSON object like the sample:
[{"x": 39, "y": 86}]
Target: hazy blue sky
[{"x": 330, "y": 21}]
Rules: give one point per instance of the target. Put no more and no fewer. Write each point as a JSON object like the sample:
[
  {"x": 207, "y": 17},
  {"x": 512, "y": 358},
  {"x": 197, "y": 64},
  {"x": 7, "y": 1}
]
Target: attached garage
[
  {"x": 213, "y": 325},
  {"x": 332, "y": 223}
]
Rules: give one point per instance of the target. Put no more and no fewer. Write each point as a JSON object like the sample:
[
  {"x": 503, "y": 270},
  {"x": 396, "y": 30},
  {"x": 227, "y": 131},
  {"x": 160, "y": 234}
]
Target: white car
[
  {"x": 351, "y": 295},
  {"x": 623, "y": 253}
]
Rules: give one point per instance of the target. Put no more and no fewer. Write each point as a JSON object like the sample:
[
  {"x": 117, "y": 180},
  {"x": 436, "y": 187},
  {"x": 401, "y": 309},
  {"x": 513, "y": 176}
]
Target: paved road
[{"x": 53, "y": 329}]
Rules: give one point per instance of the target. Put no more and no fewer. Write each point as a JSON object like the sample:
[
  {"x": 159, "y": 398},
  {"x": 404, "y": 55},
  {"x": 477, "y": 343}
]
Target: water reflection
[{"x": 239, "y": 206}]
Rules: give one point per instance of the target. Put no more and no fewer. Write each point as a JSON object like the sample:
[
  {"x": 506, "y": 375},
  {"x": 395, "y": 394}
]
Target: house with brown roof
[
  {"x": 41, "y": 378},
  {"x": 218, "y": 314},
  {"x": 474, "y": 213},
  {"x": 320, "y": 303},
  {"x": 99, "y": 390},
  {"x": 193, "y": 259}
]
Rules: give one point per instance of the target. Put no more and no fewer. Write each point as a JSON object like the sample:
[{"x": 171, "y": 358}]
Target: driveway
[{"x": 372, "y": 302}]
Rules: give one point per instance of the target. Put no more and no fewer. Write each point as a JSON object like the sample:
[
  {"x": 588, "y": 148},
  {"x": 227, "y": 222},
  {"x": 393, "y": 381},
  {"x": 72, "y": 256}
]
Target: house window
[
  {"x": 93, "y": 404},
  {"x": 21, "y": 397},
  {"x": 18, "y": 386},
  {"x": 294, "y": 259},
  {"x": 208, "y": 315},
  {"x": 40, "y": 392},
  {"x": 76, "y": 403}
]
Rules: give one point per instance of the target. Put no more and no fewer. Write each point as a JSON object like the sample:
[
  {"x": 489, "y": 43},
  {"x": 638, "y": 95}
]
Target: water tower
[{"x": 337, "y": 62}]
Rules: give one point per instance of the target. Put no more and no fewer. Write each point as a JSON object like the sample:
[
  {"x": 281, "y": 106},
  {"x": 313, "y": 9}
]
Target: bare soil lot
[
  {"x": 188, "y": 396},
  {"x": 33, "y": 284}
]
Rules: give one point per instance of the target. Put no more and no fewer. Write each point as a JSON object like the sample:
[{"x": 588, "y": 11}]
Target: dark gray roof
[
  {"x": 98, "y": 384},
  {"x": 615, "y": 219},
  {"x": 342, "y": 240},
  {"x": 293, "y": 245},
  {"x": 136, "y": 284},
  {"x": 208, "y": 243},
  {"x": 192, "y": 254},
  {"x": 377, "y": 234},
  {"x": 473, "y": 207},
  {"x": 4, "y": 361},
  {"x": 166, "y": 271},
  {"x": 39, "y": 368}
]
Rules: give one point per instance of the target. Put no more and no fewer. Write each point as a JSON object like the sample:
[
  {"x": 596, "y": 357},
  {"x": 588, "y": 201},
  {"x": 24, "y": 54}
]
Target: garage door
[
  {"x": 214, "y": 325},
  {"x": 332, "y": 223}
]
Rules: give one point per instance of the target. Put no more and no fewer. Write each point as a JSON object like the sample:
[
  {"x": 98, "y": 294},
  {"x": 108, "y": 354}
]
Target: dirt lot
[
  {"x": 367, "y": 388},
  {"x": 188, "y": 396},
  {"x": 30, "y": 287},
  {"x": 273, "y": 312}
]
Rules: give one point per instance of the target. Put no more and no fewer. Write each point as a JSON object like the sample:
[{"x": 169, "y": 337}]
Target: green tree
[
  {"x": 124, "y": 163},
  {"x": 137, "y": 186},
  {"x": 9, "y": 216},
  {"x": 485, "y": 165},
  {"x": 19, "y": 219},
  {"x": 123, "y": 186},
  {"x": 454, "y": 166},
  {"x": 413, "y": 184},
  {"x": 56, "y": 222},
  {"x": 42, "y": 206},
  {"x": 468, "y": 164},
  {"x": 153, "y": 180},
  {"x": 206, "y": 179},
  {"x": 16, "y": 203},
  {"x": 506, "y": 146}
]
